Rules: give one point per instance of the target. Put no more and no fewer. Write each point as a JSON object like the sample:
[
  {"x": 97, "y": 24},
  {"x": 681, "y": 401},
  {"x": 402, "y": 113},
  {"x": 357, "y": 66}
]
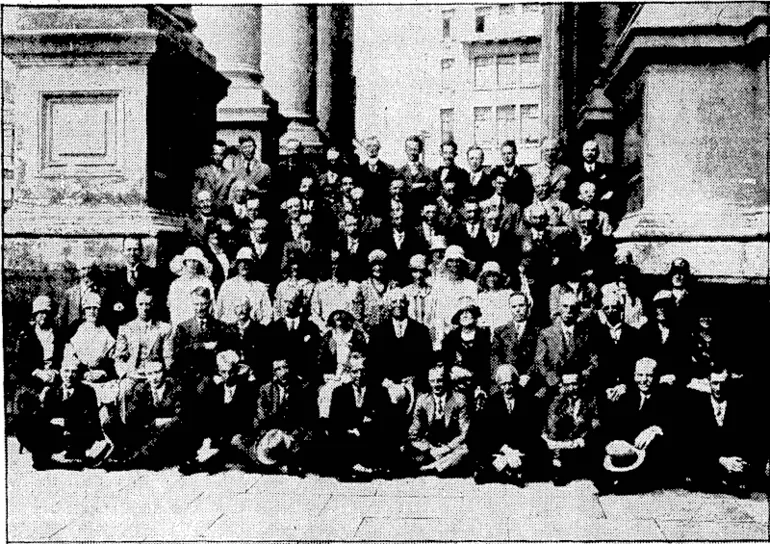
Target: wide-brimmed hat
[
  {"x": 622, "y": 456},
  {"x": 190, "y": 254},
  {"x": 456, "y": 253},
  {"x": 42, "y": 303},
  {"x": 679, "y": 265},
  {"x": 272, "y": 448},
  {"x": 335, "y": 313},
  {"x": 466, "y": 304}
]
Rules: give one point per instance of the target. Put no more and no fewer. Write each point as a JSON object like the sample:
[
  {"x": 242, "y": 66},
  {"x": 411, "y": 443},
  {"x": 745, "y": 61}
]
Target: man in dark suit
[
  {"x": 640, "y": 423},
  {"x": 428, "y": 227},
  {"x": 608, "y": 193},
  {"x": 154, "y": 435},
  {"x": 507, "y": 439},
  {"x": 354, "y": 247},
  {"x": 439, "y": 432},
  {"x": 67, "y": 427},
  {"x": 295, "y": 339},
  {"x": 416, "y": 175},
  {"x": 668, "y": 345},
  {"x": 356, "y": 420},
  {"x": 499, "y": 245},
  {"x": 618, "y": 345},
  {"x": 399, "y": 242},
  {"x": 519, "y": 187},
  {"x": 515, "y": 343},
  {"x": 719, "y": 441},
  {"x": 567, "y": 346},
  {"x": 375, "y": 175},
  {"x": 268, "y": 252},
  {"x": 283, "y": 426},
  {"x": 468, "y": 233},
  {"x": 195, "y": 343},
  {"x": 510, "y": 212},
  {"x": 127, "y": 280},
  {"x": 214, "y": 177},
  {"x": 310, "y": 248},
  {"x": 197, "y": 227},
  {"x": 479, "y": 179},
  {"x": 541, "y": 252},
  {"x": 249, "y": 338},
  {"x": 290, "y": 171},
  {"x": 449, "y": 171},
  {"x": 250, "y": 170}
]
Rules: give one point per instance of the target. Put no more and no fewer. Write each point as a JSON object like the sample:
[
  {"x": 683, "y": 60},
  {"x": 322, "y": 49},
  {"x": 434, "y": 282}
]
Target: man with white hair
[
  {"x": 374, "y": 174},
  {"x": 550, "y": 170},
  {"x": 203, "y": 221},
  {"x": 641, "y": 431},
  {"x": 507, "y": 441}
]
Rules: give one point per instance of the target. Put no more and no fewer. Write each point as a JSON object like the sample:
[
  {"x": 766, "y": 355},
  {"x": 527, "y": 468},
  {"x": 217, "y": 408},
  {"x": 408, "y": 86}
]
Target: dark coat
[
  {"x": 553, "y": 357},
  {"x": 495, "y": 427},
  {"x": 29, "y": 357},
  {"x": 474, "y": 356},
  {"x": 222, "y": 421},
  {"x": 189, "y": 357},
  {"x": 483, "y": 188},
  {"x": 299, "y": 347},
  {"x": 250, "y": 344},
  {"x": 457, "y": 174},
  {"x": 295, "y": 416},
  {"x": 120, "y": 289},
  {"x": 519, "y": 187},
  {"x": 399, "y": 358},
  {"x": 452, "y": 430},
  {"x": 507, "y": 348},
  {"x": 617, "y": 360}
]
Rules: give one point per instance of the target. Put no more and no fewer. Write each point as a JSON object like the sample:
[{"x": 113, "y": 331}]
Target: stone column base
[
  {"x": 304, "y": 131},
  {"x": 722, "y": 243},
  {"x": 45, "y": 236}
]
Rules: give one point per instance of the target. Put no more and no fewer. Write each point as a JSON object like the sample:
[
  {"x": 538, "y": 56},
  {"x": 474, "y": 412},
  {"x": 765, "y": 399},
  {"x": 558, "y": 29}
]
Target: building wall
[{"x": 470, "y": 72}]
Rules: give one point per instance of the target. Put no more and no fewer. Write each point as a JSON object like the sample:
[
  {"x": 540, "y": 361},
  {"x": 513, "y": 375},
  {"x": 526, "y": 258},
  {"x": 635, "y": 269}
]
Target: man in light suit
[
  {"x": 567, "y": 346},
  {"x": 480, "y": 181},
  {"x": 439, "y": 431},
  {"x": 127, "y": 280},
  {"x": 515, "y": 343},
  {"x": 214, "y": 177}
]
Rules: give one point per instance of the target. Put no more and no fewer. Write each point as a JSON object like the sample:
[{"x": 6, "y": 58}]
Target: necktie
[
  {"x": 203, "y": 325},
  {"x": 720, "y": 414},
  {"x": 568, "y": 340},
  {"x": 132, "y": 276},
  {"x": 67, "y": 393},
  {"x": 439, "y": 408},
  {"x": 248, "y": 168},
  {"x": 641, "y": 404}
]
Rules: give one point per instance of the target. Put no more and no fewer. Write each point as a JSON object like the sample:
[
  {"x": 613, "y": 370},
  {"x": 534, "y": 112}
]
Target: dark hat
[
  {"x": 467, "y": 306},
  {"x": 339, "y": 312},
  {"x": 679, "y": 265}
]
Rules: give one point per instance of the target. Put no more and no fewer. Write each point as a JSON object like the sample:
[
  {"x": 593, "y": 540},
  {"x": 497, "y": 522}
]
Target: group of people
[{"x": 362, "y": 320}]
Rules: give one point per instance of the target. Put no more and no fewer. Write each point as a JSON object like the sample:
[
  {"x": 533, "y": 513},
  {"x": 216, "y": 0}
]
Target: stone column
[
  {"x": 702, "y": 125},
  {"x": 551, "y": 55},
  {"x": 325, "y": 41},
  {"x": 289, "y": 65},
  {"x": 110, "y": 124},
  {"x": 233, "y": 34}
]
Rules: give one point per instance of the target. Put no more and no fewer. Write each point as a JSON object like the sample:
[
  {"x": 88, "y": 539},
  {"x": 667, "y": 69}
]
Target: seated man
[
  {"x": 286, "y": 412},
  {"x": 569, "y": 430},
  {"x": 515, "y": 342},
  {"x": 224, "y": 417},
  {"x": 639, "y": 434},
  {"x": 718, "y": 426},
  {"x": 507, "y": 438},
  {"x": 141, "y": 340},
  {"x": 440, "y": 427},
  {"x": 355, "y": 422},
  {"x": 66, "y": 431},
  {"x": 154, "y": 435}
]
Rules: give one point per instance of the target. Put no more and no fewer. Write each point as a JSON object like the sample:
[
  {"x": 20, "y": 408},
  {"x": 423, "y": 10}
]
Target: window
[
  {"x": 484, "y": 73},
  {"x": 482, "y": 19},
  {"x": 446, "y": 28},
  {"x": 530, "y": 124},
  {"x": 483, "y": 127},
  {"x": 447, "y": 124},
  {"x": 507, "y": 72},
  {"x": 530, "y": 69},
  {"x": 447, "y": 81},
  {"x": 507, "y": 127}
]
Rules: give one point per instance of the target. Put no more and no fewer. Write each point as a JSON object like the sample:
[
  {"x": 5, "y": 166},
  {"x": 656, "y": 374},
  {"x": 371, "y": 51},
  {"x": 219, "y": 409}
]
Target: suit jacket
[
  {"x": 138, "y": 342},
  {"x": 519, "y": 187},
  {"x": 471, "y": 244},
  {"x": 557, "y": 176},
  {"x": 625, "y": 420},
  {"x": 510, "y": 212},
  {"x": 473, "y": 356},
  {"x": 221, "y": 420},
  {"x": 455, "y": 173},
  {"x": 29, "y": 356},
  {"x": 122, "y": 290},
  {"x": 257, "y": 180},
  {"x": 452, "y": 430},
  {"x": 196, "y": 229},
  {"x": 617, "y": 360},
  {"x": 268, "y": 267},
  {"x": 483, "y": 188},
  {"x": 554, "y": 357},
  {"x": 399, "y": 358},
  {"x": 299, "y": 347},
  {"x": 314, "y": 261},
  {"x": 141, "y": 409},
  {"x": 376, "y": 185},
  {"x": 289, "y": 176},
  {"x": 358, "y": 262},
  {"x": 250, "y": 344},
  {"x": 567, "y": 421},
  {"x": 398, "y": 259},
  {"x": 496, "y": 426},
  {"x": 327, "y": 356},
  {"x": 508, "y": 348},
  {"x": 507, "y": 252},
  {"x": 673, "y": 355},
  {"x": 344, "y": 415},
  {"x": 188, "y": 355},
  {"x": 295, "y": 414},
  {"x": 416, "y": 181},
  {"x": 602, "y": 177},
  {"x": 212, "y": 179},
  {"x": 560, "y": 219},
  {"x": 80, "y": 411}
]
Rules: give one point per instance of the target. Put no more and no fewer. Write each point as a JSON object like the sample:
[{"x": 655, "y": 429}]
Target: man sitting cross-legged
[
  {"x": 506, "y": 437},
  {"x": 286, "y": 413},
  {"x": 440, "y": 427}
]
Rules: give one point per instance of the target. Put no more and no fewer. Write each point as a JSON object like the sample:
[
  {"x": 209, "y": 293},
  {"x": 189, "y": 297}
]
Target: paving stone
[
  {"x": 570, "y": 527},
  {"x": 411, "y": 529},
  {"x": 713, "y": 530},
  {"x": 415, "y": 507},
  {"x": 757, "y": 507}
]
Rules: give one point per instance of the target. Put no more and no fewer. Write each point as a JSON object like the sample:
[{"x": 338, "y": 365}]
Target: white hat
[
  {"x": 438, "y": 242},
  {"x": 455, "y": 252},
  {"x": 42, "y": 303},
  {"x": 491, "y": 266},
  {"x": 190, "y": 254},
  {"x": 272, "y": 447},
  {"x": 92, "y": 300},
  {"x": 622, "y": 456},
  {"x": 418, "y": 261},
  {"x": 244, "y": 254},
  {"x": 377, "y": 255}
]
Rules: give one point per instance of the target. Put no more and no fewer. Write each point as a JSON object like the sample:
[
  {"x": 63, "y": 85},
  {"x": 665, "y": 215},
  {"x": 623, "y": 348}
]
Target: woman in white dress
[
  {"x": 493, "y": 297},
  {"x": 449, "y": 289},
  {"x": 194, "y": 270}
]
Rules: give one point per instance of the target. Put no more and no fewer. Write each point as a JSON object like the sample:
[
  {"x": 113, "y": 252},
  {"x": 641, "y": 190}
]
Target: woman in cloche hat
[{"x": 447, "y": 290}]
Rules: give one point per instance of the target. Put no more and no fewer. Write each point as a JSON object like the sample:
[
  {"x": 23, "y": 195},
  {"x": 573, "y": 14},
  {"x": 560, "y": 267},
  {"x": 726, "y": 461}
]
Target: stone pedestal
[
  {"x": 700, "y": 107},
  {"x": 233, "y": 34},
  {"x": 289, "y": 66},
  {"x": 114, "y": 106}
]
